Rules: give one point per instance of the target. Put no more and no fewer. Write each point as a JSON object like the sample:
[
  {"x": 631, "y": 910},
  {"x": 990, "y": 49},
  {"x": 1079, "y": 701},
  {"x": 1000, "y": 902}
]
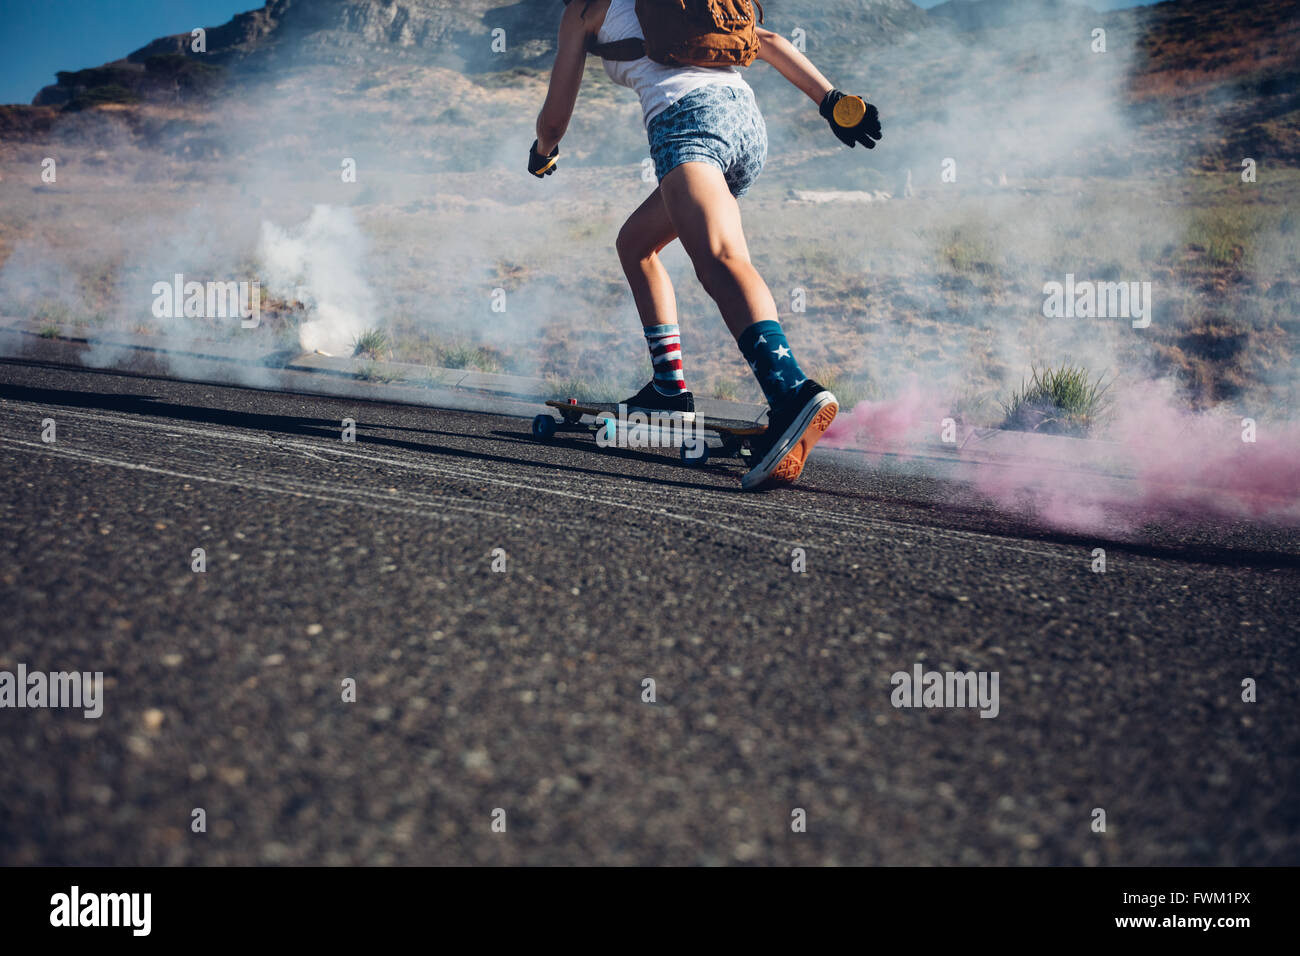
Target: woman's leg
[
  {"x": 706, "y": 217},
  {"x": 640, "y": 241}
]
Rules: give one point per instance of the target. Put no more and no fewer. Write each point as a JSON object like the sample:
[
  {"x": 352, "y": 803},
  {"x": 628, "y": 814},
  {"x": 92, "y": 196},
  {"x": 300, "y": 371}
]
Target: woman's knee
[
  {"x": 720, "y": 269},
  {"x": 632, "y": 247}
]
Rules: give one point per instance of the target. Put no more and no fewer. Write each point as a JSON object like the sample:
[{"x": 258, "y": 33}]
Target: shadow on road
[
  {"x": 945, "y": 514},
  {"x": 329, "y": 428},
  {"x": 980, "y": 519}
]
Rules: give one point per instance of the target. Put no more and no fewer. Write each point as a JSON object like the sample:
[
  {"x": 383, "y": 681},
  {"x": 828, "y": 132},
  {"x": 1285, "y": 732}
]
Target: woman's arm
[
  {"x": 852, "y": 119},
  {"x": 566, "y": 78},
  {"x": 793, "y": 65}
]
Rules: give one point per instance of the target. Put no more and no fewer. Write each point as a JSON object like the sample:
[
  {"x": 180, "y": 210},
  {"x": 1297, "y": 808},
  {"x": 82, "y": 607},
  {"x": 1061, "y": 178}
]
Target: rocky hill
[
  {"x": 1172, "y": 55},
  {"x": 453, "y": 33}
]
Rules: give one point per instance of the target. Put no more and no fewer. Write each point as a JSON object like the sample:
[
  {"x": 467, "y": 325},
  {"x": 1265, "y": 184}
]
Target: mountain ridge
[
  {"x": 453, "y": 33},
  {"x": 1217, "y": 76}
]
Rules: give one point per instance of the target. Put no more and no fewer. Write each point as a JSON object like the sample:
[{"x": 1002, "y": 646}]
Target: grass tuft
[
  {"x": 848, "y": 390},
  {"x": 372, "y": 343},
  {"x": 584, "y": 390},
  {"x": 371, "y": 372},
  {"x": 470, "y": 356},
  {"x": 1057, "y": 401},
  {"x": 726, "y": 390},
  {"x": 966, "y": 249}
]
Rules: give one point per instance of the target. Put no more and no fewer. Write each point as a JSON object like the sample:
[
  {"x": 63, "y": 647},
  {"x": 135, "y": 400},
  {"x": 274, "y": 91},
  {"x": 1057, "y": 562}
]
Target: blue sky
[
  {"x": 42, "y": 37},
  {"x": 49, "y": 35}
]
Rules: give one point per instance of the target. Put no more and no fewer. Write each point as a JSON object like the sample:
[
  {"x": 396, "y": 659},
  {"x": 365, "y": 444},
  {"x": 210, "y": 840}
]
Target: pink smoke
[
  {"x": 1201, "y": 463},
  {"x": 891, "y": 425},
  {"x": 1156, "y": 461}
]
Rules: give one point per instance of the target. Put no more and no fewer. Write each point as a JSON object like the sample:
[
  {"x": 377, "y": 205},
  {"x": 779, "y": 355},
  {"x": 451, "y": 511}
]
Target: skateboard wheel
[
  {"x": 544, "y": 426},
  {"x": 695, "y": 452}
]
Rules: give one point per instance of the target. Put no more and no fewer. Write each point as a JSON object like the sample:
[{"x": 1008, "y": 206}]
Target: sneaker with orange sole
[{"x": 791, "y": 434}]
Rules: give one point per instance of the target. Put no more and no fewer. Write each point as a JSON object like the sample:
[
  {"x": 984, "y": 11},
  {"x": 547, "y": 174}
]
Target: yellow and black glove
[
  {"x": 539, "y": 165},
  {"x": 852, "y": 119}
]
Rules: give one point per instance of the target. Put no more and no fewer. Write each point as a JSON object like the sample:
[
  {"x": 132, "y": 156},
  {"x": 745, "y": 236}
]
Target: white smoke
[{"x": 321, "y": 263}]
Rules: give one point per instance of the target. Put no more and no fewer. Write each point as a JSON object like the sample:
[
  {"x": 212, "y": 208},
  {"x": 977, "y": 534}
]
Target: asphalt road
[{"x": 523, "y": 689}]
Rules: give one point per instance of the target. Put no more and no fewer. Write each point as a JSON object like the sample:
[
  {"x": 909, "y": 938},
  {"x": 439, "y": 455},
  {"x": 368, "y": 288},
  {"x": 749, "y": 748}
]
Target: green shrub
[
  {"x": 600, "y": 390},
  {"x": 370, "y": 372},
  {"x": 470, "y": 356},
  {"x": 1057, "y": 401},
  {"x": 966, "y": 249},
  {"x": 848, "y": 390},
  {"x": 372, "y": 343},
  {"x": 726, "y": 390}
]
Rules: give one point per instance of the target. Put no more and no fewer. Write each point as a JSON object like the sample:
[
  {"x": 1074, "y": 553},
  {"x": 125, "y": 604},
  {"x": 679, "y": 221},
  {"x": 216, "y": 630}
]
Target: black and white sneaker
[
  {"x": 792, "y": 431},
  {"x": 650, "y": 399}
]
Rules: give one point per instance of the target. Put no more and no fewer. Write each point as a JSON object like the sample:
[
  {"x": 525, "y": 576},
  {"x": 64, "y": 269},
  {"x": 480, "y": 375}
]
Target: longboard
[{"x": 734, "y": 435}]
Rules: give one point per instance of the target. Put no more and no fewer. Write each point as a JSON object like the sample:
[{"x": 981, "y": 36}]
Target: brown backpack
[{"x": 691, "y": 33}]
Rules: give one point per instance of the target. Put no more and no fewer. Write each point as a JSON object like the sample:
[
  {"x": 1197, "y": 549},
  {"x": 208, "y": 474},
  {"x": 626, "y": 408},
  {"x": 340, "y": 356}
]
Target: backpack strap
[{"x": 633, "y": 48}]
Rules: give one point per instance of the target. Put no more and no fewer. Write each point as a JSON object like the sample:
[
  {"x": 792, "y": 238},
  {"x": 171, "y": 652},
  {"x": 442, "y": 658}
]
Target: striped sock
[
  {"x": 665, "y": 343},
  {"x": 768, "y": 353}
]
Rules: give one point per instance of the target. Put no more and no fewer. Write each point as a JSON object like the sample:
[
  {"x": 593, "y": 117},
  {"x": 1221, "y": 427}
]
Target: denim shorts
[{"x": 715, "y": 124}]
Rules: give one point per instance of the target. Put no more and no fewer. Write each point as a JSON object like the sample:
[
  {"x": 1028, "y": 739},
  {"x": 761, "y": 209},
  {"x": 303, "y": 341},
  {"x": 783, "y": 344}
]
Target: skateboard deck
[{"x": 734, "y": 435}]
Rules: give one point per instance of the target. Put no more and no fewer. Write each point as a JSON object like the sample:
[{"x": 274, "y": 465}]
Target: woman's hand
[
  {"x": 542, "y": 164},
  {"x": 853, "y": 120}
]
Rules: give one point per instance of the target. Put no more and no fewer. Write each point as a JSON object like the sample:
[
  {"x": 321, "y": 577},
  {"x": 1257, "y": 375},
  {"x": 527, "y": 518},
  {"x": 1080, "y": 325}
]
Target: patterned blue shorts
[{"x": 714, "y": 124}]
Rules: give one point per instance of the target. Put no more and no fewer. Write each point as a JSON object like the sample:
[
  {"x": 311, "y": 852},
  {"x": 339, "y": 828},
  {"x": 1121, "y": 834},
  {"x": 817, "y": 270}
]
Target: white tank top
[{"x": 658, "y": 86}]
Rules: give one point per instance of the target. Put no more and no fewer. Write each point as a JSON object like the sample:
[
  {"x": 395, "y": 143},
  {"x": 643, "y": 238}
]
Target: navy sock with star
[{"x": 768, "y": 353}]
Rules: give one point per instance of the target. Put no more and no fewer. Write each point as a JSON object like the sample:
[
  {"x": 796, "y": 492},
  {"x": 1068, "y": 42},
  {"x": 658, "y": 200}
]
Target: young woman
[{"x": 708, "y": 142}]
